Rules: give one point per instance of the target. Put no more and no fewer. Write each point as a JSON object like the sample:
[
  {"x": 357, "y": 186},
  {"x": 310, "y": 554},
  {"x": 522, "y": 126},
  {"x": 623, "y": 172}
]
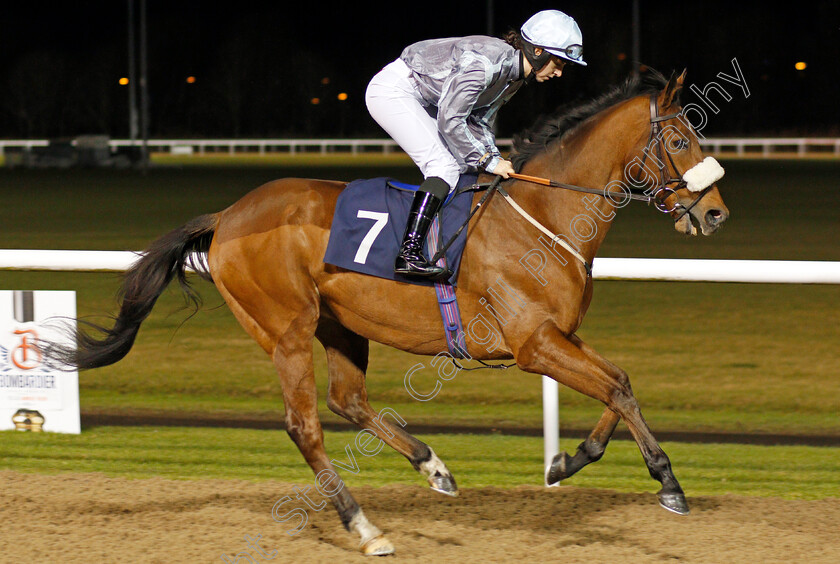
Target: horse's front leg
[
  {"x": 548, "y": 351},
  {"x": 592, "y": 449}
]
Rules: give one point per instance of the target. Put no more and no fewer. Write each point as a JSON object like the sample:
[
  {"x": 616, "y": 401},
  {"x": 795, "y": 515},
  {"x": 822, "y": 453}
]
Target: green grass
[
  {"x": 796, "y": 472},
  {"x": 727, "y": 365},
  {"x": 780, "y": 209},
  {"x": 713, "y": 357}
]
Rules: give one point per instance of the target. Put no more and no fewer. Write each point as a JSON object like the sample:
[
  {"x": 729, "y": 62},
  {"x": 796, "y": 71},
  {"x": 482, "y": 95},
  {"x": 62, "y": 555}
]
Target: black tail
[{"x": 165, "y": 259}]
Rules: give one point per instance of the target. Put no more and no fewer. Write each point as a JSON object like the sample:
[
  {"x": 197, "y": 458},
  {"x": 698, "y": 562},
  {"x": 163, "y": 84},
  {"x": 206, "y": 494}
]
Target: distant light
[
  {"x": 315, "y": 101},
  {"x": 325, "y": 80},
  {"x": 190, "y": 80},
  {"x": 342, "y": 96},
  {"x": 123, "y": 81},
  {"x": 801, "y": 65},
  {"x": 622, "y": 56}
]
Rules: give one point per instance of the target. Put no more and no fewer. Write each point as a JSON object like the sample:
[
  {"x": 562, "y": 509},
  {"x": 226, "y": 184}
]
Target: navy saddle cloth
[{"x": 369, "y": 223}]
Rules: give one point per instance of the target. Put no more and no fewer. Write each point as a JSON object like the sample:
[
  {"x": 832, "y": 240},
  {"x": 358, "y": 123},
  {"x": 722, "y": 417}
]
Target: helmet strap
[{"x": 537, "y": 61}]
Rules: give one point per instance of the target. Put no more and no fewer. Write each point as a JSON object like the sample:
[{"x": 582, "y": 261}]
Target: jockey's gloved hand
[{"x": 503, "y": 169}]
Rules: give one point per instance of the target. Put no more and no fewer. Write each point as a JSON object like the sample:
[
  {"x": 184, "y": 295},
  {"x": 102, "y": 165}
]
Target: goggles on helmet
[{"x": 572, "y": 51}]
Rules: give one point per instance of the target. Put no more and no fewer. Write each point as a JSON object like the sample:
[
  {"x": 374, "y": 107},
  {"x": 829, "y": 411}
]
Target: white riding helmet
[{"x": 556, "y": 33}]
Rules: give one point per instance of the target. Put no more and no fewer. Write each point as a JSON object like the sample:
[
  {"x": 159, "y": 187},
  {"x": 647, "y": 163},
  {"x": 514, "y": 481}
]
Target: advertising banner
[{"x": 33, "y": 396}]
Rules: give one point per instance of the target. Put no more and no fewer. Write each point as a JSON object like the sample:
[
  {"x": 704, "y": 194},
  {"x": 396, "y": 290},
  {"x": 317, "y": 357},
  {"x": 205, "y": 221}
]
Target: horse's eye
[{"x": 679, "y": 144}]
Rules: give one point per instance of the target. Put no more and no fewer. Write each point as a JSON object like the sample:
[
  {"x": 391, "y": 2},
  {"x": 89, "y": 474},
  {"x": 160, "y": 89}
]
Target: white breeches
[{"x": 396, "y": 106}]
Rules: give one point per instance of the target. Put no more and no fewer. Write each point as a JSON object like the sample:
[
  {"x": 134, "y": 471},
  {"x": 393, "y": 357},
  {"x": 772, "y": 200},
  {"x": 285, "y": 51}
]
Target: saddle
[
  {"x": 367, "y": 229},
  {"x": 370, "y": 218}
]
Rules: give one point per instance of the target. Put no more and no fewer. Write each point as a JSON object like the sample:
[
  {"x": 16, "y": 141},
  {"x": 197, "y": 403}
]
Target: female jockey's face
[{"x": 553, "y": 68}]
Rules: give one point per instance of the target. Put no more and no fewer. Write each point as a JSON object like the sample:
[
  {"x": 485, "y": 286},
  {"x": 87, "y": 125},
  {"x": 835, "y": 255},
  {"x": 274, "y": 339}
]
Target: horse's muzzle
[{"x": 708, "y": 219}]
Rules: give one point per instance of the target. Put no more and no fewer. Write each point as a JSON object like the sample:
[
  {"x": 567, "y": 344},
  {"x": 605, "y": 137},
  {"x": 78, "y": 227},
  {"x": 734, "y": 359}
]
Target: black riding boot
[{"x": 410, "y": 261}]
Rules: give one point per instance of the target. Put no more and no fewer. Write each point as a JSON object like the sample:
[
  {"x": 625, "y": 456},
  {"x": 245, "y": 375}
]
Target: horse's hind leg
[
  {"x": 292, "y": 356},
  {"x": 592, "y": 449},
  {"x": 293, "y": 359},
  {"x": 347, "y": 358},
  {"x": 548, "y": 351}
]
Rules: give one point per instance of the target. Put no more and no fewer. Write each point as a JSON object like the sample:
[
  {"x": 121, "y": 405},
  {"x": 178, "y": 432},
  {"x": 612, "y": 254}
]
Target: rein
[
  {"x": 492, "y": 188},
  {"x": 495, "y": 186},
  {"x": 657, "y": 195},
  {"x": 555, "y": 184}
]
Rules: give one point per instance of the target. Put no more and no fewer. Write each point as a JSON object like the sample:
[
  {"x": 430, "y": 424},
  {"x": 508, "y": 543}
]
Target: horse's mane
[{"x": 551, "y": 127}]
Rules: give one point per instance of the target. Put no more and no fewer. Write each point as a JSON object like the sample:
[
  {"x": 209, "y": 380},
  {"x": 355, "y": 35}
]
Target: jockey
[{"x": 439, "y": 100}]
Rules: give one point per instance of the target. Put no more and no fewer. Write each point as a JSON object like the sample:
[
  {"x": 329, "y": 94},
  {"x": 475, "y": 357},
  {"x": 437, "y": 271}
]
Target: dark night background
[{"x": 258, "y": 65}]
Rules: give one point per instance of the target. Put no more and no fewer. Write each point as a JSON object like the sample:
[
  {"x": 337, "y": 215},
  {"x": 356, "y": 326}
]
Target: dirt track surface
[{"x": 92, "y": 518}]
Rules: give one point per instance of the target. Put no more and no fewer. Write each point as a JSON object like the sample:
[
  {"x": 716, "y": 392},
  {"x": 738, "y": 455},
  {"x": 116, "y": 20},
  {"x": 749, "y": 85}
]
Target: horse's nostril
[{"x": 713, "y": 217}]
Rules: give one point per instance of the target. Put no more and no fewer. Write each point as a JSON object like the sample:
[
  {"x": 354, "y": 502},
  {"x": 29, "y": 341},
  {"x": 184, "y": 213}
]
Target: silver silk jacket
[{"x": 465, "y": 80}]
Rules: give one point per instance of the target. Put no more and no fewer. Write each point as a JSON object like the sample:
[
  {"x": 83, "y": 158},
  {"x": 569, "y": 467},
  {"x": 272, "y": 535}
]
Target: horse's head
[{"x": 668, "y": 162}]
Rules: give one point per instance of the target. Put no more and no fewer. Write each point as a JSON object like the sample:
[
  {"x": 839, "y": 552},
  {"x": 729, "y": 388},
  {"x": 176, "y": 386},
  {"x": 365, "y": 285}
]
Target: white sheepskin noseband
[{"x": 703, "y": 174}]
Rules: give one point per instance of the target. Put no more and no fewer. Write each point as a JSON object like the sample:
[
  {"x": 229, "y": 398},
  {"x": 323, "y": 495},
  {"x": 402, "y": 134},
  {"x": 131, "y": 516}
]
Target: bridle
[{"x": 659, "y": 194}]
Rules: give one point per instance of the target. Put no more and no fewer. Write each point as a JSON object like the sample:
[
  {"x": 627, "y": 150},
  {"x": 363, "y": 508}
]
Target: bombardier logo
[
  {"x": 26, "y": 355},
  {"x": 22, "y": 355}
]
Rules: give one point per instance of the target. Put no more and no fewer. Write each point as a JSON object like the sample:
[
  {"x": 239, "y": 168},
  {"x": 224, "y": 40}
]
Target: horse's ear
[{"x": 670, "y": 95}]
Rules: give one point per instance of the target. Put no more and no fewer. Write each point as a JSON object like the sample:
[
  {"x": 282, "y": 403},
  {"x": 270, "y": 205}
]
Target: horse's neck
[{"x": 590, "y": 158}]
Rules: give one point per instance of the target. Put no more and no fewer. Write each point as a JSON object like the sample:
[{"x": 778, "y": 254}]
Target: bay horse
[{"x": 265, "y": 255}]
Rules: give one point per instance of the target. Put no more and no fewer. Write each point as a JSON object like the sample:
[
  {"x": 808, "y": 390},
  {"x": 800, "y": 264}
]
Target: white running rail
[{"x": 759, "y": 146}]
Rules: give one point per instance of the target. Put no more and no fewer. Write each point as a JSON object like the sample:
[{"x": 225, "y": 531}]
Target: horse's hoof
[
  {"x": 674, "y": 502},
  {"x": 379, "y": 546},
  {"x": 444, "y": 484},
  {"x": 557, "y": 471}
]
